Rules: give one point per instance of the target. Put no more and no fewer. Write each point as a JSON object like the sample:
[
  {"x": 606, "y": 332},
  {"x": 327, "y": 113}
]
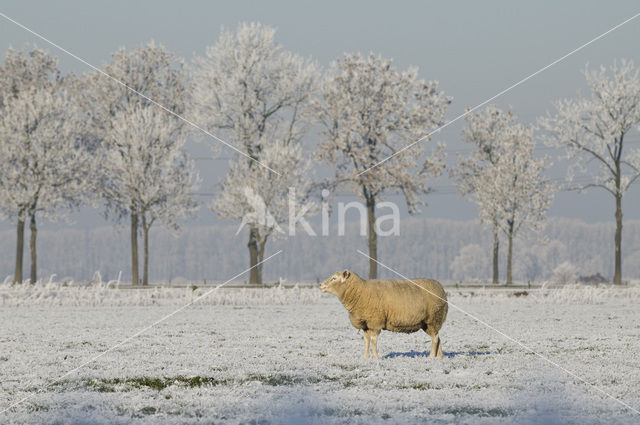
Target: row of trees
[
  {"x": 68, "y": 141},
  {"x": 507, "y": 182},
  {"x": 266, "y": 100},
  {"x": 212, "y": 251},
  {"x": 504, "y": 178},
  {"x": 592, "y": 130},
  {"x": 117, "y": 147}
]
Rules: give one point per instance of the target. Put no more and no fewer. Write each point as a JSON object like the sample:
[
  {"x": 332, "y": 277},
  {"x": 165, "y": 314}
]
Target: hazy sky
[{"x": 474, "y": 49}]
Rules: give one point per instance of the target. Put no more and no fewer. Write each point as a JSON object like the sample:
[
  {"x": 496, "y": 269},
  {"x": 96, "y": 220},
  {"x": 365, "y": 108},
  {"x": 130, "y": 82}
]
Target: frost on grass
[
  {"x": 291, "y": 356},
  {"x": 109, "y": 295}
]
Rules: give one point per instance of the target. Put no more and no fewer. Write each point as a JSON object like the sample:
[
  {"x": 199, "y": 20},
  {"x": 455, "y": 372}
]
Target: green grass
[
  {"x": 148, "y": 410},
  {"x": 154, "y": 383},
  {"x": 160, "y": 383},
  {"x": 478, "y": 411}
]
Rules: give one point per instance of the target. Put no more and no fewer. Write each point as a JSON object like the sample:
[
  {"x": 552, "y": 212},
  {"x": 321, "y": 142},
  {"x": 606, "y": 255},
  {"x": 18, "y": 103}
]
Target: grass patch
[
  {"x": 423, "y": 386},
  {"x": 155, "y": 383},
  {"x": 160, "y": 383},
  {"x": 100, "y": 386},
  {"x": 148, "y": 410},
  {"x": 199, "y": 381},
  {"x": 346, "y": 367},
  {"x": 277, "y": 380},
  {"x": 478, "y": 411}
]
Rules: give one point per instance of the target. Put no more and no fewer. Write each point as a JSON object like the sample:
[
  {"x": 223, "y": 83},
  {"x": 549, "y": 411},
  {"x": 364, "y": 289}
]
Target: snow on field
[{"x": 259, "y": 356}]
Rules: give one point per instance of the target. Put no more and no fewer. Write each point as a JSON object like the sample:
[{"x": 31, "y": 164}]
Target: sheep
[{"x": 394, "y": 305}]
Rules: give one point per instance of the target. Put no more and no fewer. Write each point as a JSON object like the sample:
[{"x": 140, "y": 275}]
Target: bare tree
[
  {"x": 149, "y": 169},
  {"x": 258, "y": 94},
  {"x": 45, "y": 165},
  {"x": 593, "y": 131},
  {"x": 157, "y": 74},
  {"x": 486, "y": 130},
  {"x": 22, "y": 71},
  {"x": 514, "y": 190},
  {"x": 267, "y": 203},
  {"x": 370, "y": 111}
]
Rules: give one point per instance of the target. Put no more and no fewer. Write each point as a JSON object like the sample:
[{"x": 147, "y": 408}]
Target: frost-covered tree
[
  {"x": 22, "y": 72},
  {"x": 258, "y": 96},
  {"x": 537, "y": 260},
  {"x": 159, "y": 75},
  {"x": 565, "y": 273},
  {"x": 370, "y": 111},
  {"x": 515, "y": 189},
  {"x": 150, "y": 173},
  {"x": 470, "y": 263},
  {"x": 530, "y": 263},
  {"x": 265, "y": 202},
  {"x": 593, "y": 131},
  {"x": 44, "y": 163},
  {"x": 486, "y": 130}
]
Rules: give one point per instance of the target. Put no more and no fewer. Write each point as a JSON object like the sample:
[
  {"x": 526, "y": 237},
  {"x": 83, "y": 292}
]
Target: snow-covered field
[{"x": 290, "y": 356}]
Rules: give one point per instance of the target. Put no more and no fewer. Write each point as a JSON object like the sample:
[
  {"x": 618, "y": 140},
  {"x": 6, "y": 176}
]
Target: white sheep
[{"x": 394, "y": 305}]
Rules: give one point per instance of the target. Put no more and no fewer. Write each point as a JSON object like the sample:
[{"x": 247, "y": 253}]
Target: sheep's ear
[{"x": 346, "y": 274}]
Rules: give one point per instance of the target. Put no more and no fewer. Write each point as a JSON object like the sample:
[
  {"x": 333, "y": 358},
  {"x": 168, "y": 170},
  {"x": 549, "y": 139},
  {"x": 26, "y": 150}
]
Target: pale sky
[{"x": 474, "y": 49}]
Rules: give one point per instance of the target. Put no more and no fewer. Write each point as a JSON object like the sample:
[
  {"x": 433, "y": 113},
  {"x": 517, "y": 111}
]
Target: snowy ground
[{"x": 290, "y": 356}]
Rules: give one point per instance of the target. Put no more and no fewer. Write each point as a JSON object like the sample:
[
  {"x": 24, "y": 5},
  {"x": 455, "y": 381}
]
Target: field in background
[
  {"x": 426, "y": 247},
  {"x": 290, "y": 356}
]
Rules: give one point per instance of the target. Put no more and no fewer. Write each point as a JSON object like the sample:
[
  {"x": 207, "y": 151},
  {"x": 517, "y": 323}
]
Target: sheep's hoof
[{"x": 365, "y": 356}]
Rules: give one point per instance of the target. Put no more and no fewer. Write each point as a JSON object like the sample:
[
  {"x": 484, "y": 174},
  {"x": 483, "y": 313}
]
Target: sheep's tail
[
  {"x": 441, "y": 314},
  {"x": 445, "y": 310}
]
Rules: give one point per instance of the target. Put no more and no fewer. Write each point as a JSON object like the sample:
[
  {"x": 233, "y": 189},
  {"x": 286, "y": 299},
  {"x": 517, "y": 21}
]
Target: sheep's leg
[
  {"x": 367, "y": 338},
  {"x": 374, "y": 342},
  {"x": 435, "y": 344},
  {"x": 439, "y": 347}
]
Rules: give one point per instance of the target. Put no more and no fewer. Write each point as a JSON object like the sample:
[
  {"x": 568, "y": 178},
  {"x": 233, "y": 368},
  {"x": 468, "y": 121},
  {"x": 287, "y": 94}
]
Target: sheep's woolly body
[{"x": 394, "y": 305}]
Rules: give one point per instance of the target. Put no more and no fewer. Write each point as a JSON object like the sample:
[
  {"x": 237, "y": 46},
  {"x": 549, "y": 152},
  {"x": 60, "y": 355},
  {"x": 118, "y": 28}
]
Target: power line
[
  {"x": 435, "y": 190},
  {"x": 448, "y": 151}
]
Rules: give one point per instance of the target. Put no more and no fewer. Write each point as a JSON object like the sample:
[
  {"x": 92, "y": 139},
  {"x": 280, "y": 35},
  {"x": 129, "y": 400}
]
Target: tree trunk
[
  {"x": 145, "y": 270},
  {"x": 254, "y": 273},
  {"x": 617, "y": 276},
  {"x": 510, "y": 255},
  {"x": 17, "y": 276},
  {"x": 261, "y": 247},
  {"x": 496, "y": 249},
  {"x": 373, "y": 238},
  {"x": 32, "y": 247},
  {"x": 134, "y": 248}
]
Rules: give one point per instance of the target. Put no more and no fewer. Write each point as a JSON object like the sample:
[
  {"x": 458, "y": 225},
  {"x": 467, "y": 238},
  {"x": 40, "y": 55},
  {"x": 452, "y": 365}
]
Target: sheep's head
[{"x": 334, "y": 282}]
